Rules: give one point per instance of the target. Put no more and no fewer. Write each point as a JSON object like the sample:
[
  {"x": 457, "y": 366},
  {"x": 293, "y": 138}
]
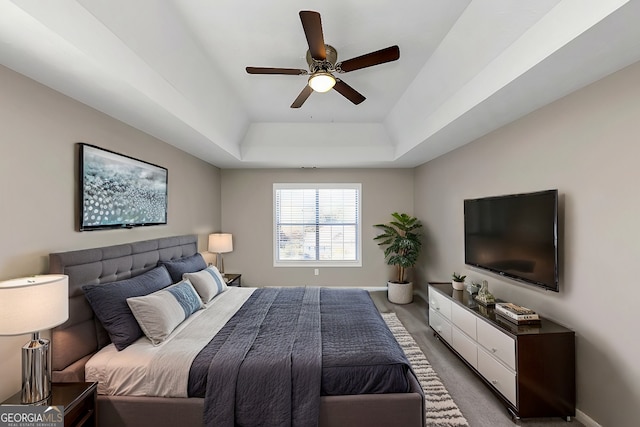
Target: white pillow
[
  {"x": 208, "y": 283},
  {"x": 159, "y": 313}
]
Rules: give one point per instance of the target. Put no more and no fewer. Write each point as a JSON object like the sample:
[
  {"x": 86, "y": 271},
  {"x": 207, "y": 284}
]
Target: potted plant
[
  {"x": 458, "y": 281},
  {"x": 403, "y": 245}
]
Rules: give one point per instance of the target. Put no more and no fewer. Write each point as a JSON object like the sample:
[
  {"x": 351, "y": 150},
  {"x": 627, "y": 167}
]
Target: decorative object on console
[
  {"x": 457, "y": 281},
  {"x": 403, "y": 247},
  {"x": 27, "y": 306},
  {"x": 485, "y": 297},
  {"x": 517, "y": 314},
  {"x": 473, "y": 287},
  {"x": 220, "y": 243}
]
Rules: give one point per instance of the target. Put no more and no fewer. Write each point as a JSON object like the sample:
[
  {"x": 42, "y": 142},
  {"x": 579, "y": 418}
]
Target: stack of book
[{"x": 517, "y": 314}]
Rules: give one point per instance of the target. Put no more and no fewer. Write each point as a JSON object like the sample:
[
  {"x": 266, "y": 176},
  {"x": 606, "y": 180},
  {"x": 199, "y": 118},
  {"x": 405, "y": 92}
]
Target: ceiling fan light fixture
[{"x": 322, "y": 81}]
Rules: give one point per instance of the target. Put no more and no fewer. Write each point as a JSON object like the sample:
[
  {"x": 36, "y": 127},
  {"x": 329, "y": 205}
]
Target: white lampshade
[
  {"x": 32, "y": 304},
  {"x": 322, "y": 82},
  {"x": 220, "y": 243}
]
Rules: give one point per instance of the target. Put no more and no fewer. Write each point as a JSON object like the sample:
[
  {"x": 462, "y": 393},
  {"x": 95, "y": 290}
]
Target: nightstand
[
  {"x": 78, "y": 399},
  {"x": 233, "y": 279}
]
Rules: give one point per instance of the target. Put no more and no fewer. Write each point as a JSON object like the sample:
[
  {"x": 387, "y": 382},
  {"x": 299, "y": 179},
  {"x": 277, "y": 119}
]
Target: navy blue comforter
[{"x": 286, "y": 347}]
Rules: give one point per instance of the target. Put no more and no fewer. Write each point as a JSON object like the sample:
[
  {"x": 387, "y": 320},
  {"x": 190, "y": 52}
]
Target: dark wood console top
[{"x": 464, "y": 299}]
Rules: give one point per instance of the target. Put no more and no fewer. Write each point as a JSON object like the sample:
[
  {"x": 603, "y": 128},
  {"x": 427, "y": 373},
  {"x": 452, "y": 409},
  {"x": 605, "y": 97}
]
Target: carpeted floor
[{"x": 440, "y": 409}]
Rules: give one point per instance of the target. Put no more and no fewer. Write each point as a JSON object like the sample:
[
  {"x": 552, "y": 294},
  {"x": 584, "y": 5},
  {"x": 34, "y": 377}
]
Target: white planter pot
[
  {"x": 458, "y": 286},
  {"x": 400, "y": 293}
]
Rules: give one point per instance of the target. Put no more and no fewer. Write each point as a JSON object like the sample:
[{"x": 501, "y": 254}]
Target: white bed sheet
[{"x": 143, "y": 369}]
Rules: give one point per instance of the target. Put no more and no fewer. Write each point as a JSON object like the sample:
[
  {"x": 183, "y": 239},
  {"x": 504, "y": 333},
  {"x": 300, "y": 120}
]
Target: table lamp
[
  {"x": 27, "y": 306},
  {"x": 220, "y": 243}
]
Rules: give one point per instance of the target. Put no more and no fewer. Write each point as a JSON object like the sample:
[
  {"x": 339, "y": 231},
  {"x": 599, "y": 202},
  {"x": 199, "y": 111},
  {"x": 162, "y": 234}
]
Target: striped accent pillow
[
  {"x": 159, "y": 313},
  {"x": 208, "y": 283}
]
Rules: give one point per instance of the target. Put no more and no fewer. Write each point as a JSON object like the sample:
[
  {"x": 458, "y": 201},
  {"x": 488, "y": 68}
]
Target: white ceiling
[{"x": 176, "y": 70}]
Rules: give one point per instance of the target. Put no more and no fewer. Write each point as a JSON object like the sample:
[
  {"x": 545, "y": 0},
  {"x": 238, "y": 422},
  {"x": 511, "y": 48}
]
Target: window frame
[{"x": 317, "y": 263}]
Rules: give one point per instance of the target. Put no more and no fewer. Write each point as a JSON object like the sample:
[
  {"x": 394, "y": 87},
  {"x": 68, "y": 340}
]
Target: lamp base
[
  {"x": 36, "y": 371},
  {"x": 220, "y": 263}
]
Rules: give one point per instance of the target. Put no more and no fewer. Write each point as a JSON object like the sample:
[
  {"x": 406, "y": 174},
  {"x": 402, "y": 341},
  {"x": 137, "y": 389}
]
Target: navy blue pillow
[
  {"x": 109, "y": 303},
  {"x": 190, "y": 264}
]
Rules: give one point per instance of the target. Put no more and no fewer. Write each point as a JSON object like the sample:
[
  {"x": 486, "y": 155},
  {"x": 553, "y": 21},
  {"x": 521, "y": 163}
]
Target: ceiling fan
[{"x": 322, "y": 59}]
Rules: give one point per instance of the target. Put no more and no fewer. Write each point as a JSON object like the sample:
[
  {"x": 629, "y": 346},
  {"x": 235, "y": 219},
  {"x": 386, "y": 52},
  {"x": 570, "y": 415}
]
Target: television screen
[
  {"x": 515, "y": 236},
  {"x": 118, "y": 191}
]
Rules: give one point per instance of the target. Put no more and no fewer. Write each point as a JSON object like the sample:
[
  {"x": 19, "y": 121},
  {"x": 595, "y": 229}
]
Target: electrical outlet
[{"x": 316, "y": 272}]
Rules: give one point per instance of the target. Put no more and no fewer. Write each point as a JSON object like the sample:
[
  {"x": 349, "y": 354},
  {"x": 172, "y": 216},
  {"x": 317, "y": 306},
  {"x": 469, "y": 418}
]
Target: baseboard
[
  {"x": 421, "y": 295},
  {"x": 585, "y": 419},
  {"x": 366, "y": 288}
]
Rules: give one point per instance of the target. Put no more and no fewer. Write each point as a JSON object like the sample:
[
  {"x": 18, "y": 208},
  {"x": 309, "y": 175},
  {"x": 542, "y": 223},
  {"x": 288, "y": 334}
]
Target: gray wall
[
  {"x": 38, "y": 178},
  {"x": 585, "y": 145},
  {"x": 247, "y": 213}
]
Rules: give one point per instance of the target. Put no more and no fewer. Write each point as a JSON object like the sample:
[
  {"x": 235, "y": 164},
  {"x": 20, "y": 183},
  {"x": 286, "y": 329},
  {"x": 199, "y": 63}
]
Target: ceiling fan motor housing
[{"x": 328, "y": 64}]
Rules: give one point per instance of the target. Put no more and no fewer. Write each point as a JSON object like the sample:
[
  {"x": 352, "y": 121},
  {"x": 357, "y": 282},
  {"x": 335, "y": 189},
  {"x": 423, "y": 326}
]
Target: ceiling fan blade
[
  {"x": 302, "y": 97},
  {"x": 381, "y": 56},
  {"x": 348, "y": 92},
  {"x": 269, "y": 70},
  {"x": 312, "y": 26}
]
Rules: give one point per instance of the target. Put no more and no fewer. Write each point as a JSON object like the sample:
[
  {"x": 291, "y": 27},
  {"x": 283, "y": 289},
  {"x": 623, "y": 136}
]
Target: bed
[{"x": 83, "y": 339}]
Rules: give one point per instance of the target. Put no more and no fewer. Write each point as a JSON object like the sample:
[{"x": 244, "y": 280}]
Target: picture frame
[{"x": 118, "y": 191}]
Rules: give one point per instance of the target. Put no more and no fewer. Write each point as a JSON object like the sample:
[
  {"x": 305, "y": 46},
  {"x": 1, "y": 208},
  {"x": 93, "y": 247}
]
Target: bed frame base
[{"x": 372, "y": 410}]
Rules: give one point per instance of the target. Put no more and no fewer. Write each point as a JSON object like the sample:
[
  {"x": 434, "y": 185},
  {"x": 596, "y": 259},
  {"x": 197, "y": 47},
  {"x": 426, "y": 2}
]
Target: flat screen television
[
  {"x": 118, "y": 191},
  {"x": 515, "y": 236}
]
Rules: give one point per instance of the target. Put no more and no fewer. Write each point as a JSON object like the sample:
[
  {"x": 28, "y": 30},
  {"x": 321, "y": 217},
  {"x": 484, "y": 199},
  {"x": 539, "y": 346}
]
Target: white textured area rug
[{"x": 440, "y": 409}]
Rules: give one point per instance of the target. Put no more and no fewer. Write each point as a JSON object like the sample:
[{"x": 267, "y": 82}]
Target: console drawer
[
  {"x": 439, "y": 303},
  {"x": 465, "y": 347},
  {"x": 439, "y": 324},
  {"x": 464, "y": 320},
  {"x": 497, "y": 343},
  {"x": 498, "y": 375}
]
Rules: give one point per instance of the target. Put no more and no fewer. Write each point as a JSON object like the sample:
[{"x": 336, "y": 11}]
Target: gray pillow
[
  {"x": 109, "y": 303},
  {"x": 159, "y": 313},
  {"x": 177, "y": 267},
  {"x": 208, "y": 283}
]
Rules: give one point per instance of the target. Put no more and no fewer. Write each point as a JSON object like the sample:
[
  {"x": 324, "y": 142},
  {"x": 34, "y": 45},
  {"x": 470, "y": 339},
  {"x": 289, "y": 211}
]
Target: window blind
[{"x": 317, "y": 223}]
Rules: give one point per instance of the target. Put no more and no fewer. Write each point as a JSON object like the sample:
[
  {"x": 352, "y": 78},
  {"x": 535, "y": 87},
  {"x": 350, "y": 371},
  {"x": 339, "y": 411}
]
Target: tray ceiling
[{"x": 176, "y": 70}]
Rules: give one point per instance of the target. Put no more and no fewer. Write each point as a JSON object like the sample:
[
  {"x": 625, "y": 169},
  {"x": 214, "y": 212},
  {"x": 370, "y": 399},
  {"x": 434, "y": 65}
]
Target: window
[{"x": 316, "y": 225}]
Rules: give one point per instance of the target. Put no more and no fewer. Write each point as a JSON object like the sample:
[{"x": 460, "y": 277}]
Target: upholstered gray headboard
[{"x": 74, "y": 341}]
